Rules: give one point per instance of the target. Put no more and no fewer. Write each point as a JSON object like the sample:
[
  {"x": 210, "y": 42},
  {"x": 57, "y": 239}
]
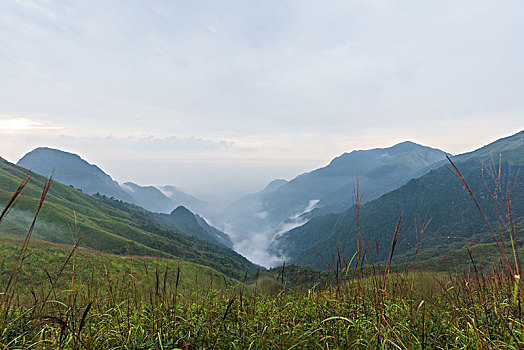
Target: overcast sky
[{"x": 223, "y": 96}]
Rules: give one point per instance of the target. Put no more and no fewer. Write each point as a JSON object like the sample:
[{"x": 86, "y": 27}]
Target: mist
[
  {"x": 252, "y": 232},
  {"x": 218, "y": 99},
  {"x": 18, "y": 221}
]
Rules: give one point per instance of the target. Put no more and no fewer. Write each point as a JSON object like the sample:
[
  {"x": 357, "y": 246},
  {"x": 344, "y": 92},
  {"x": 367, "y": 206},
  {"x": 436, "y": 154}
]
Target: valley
[
  {"x": 290, "y": 219},
  {"x": 259, "y": 175},
  {"x": 331, "y": 236}
]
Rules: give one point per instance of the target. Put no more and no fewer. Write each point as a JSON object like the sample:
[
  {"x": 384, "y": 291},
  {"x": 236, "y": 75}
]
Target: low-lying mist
[
  {"x": 18, "y": 222},
  {"x": 253, "y": 230}
]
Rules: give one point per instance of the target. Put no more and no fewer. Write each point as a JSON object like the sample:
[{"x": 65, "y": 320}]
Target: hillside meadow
[
  {"x": 103, "y": 301},
  {"x": 58, "y": 296}
]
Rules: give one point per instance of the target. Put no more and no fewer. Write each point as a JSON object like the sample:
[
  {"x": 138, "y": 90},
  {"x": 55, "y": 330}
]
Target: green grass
[
  {"x": 93, "y": 268},
  {"x": 106, "y": 224},
  {"x": 73, "y": 298},
  {"x": 415, "y": 311}
]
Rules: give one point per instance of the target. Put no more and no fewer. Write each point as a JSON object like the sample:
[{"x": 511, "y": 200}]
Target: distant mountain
[
  {"x": 109, "y": 225},
  {"x": 169, "y": 199},
  {"x": 378, "y": 171},
  {"x": 162, "y": 199},
  {"x": 179, "y": 197},
  {"x": 274, "y": 185},
  {"x": 438, "y": 195},
  {"x": 149, "y": 197},
  {"x": 186, "y": 221},
  {"x": 72, "y": 170},
  {"x": 283, "y": 205}
]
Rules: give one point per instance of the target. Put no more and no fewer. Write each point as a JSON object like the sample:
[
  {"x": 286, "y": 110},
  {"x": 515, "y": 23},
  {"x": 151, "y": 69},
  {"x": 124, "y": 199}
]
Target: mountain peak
[
  {"x": 406, "y": 146},
  {"x": 181, "y": 210},
  {"x": 363, "y": 156},
  {"x": 71, "y": 169},
  {"x": 48, "y": 151},
  {"x": 52, "y": 155}
]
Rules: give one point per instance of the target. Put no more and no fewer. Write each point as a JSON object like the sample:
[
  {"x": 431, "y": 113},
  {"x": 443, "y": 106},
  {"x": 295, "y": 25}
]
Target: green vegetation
[
  {"x": 363, "y": 309},
  {"x": 66, "y": 297},
  {"x": 106, "y": 225},
  {"x": 436, "y": 196},
  {"x": 89, "y": 269}
]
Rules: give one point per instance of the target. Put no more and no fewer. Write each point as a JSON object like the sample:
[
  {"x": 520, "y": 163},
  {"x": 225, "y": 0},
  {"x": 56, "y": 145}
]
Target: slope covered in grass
[
  {"x": 87, "y": 268},
  {"x": 105, "y": 224}
]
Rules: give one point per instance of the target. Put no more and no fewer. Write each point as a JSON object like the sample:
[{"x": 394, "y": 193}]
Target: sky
[{"x": 221, "y": 97}]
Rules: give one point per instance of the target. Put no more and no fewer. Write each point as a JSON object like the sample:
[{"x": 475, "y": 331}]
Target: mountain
[
  {"x": 283, "y": 205},
  {"x": 186, "y": 221},
  {"x": 506, "y": 147},
  {"x": 149, "y": 197},
  {"x": 378, "y": 171},
  {"x": 438, "y": 195},
  {"x": 163, "y": 199},
  {"x": 156, "y": 200},
  {"x": 107, "y": 225},
  {"x": 72, "y": 170},
  {"x": 180, "y": 198}
]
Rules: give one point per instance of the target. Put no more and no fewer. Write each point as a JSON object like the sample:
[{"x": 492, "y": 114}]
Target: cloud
[
  {"x": 143, "y": 144},
  {"x": 19, "y": 124},
  {"x": 212, "y": 71},
  {"x": 255, "y": 249},
  {"x": 255, "y": 81},
  {"x": 249, "y": 68},
  {"x": 297, "y": 219}
]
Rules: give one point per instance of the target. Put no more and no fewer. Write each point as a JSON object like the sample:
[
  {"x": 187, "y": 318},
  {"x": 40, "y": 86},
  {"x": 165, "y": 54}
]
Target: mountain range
[
  {"x": 437, "y": 196},
  {"x": 71, "y": 169},
  {"x": 283, "y": 205},
  {"x": 312, "y": 217},
  {"x": 114, "y": 226}
]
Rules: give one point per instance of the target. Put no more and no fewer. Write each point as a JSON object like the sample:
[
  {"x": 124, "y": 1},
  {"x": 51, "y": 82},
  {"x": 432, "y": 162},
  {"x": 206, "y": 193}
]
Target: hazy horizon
[
  {"x": 239, "y": 189},
  {"x": 221, "y": 98}
]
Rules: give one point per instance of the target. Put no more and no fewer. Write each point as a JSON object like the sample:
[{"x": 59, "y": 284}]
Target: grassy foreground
[
  {"x": 86, "y": 305},
  {"x": 405, "y": 311}
]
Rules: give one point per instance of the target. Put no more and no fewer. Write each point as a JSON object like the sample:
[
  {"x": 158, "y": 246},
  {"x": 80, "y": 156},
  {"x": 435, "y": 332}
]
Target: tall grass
[{"x": 361, "y": 307}]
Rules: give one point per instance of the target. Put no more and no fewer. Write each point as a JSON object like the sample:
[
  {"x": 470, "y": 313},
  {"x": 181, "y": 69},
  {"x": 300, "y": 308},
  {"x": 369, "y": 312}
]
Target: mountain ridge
[
  {"x": 438, "y": 194},
  {"x": 106, "y": 224},
  {"x": 284, "y": 204},
  {"x": 73, "y": 170}
]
